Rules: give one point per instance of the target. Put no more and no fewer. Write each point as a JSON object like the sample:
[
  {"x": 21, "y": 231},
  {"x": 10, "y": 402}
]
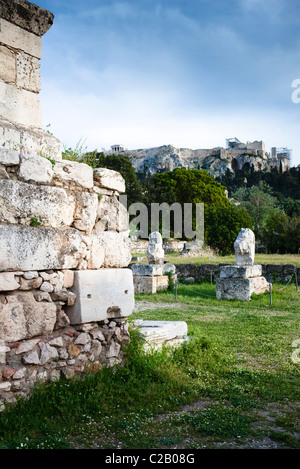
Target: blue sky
[{"x": 190, "y": 73}]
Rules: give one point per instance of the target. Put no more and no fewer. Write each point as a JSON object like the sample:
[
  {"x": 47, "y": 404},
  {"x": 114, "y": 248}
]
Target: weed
[{"x": 35, "y": 221}]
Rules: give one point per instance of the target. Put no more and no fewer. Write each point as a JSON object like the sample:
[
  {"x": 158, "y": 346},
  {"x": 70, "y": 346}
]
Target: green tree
[
  {"x": 258, "y": 202},
  {"x": 223, "y": 224},
  {"x": 187, "y": 186},
  {"x": 122, "y": 164},
  {"x": 281, "y": 233}
]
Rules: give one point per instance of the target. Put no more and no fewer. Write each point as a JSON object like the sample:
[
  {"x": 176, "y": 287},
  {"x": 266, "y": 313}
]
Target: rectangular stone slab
[
  {"x": 240, "y": 288},
  {"x": 101, "y": 294},
  {"x": 240, "y": 271},
  {"x": 38, "y": 248},
  {"x": 147, "y": 269}
]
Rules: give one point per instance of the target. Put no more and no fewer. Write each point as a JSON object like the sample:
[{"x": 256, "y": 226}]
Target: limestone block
[
  {"x": 109, "y": 250},
  {"x": 111, "y": 215},
  {"x": 162, "y": 282},
  {"x": 150, "y": 284},
  {"x": 9, "y": 157},
  {"x": 101, "y": 294},
  {"x": 244, "y": 247},
  {"x": 157, "y": 333},
  {"x": 35, "y": 168},
  {"x": 147, "y": 269},
  {"x": 27, "y": 140},
  {"x": 86, "y": 211},
  {"x": 21, "y": 317},
  {"x": 8, "y": 281},
  {"x": 20, "y": 201},
  {"x": 240, "y": 271},
  {"x": 110, "y": 179},
  {"x": 27, "y": 15},
  {"x": 38, "y": 248},
  {"x": 7, "y": 65},
  {"x": 240, "y": 288},
  {"x": 20, "y": 106},
  {"x": 17, "y": 38},
  {"x": 27, "y": 72},
  {"x": 144, "y": 284},
  {"x": 68, "y": 278},
  {"x": 79, "y": 173}
]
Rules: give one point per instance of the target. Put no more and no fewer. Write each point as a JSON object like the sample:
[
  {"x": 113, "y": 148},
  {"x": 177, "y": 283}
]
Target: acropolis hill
[{"x": 236, "y": 155}]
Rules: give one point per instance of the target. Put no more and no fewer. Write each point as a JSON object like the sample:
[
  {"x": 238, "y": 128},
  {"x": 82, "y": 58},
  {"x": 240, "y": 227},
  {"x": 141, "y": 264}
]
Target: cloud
[{"x": 148, "y": 73}]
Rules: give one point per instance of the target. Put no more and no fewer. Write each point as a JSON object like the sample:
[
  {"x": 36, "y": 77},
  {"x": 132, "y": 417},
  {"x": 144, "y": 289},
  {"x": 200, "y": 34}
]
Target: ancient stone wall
[
  {"x": 22, "y": 25},
  {"x": 65, "y": 292},
  {"x": 280, "y": 273}
]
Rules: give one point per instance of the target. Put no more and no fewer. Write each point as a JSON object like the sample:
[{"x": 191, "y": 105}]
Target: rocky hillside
[{"x": 216, "y": 161}]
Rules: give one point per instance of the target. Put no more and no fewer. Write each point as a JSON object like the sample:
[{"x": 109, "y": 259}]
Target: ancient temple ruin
[{"x": 65, "y": 289}]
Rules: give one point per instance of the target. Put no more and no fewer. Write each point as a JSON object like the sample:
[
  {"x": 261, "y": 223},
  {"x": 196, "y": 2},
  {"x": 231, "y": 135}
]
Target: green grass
[
  {"x": 259, "y": 258},
  {"x": 233, "y": 385}
]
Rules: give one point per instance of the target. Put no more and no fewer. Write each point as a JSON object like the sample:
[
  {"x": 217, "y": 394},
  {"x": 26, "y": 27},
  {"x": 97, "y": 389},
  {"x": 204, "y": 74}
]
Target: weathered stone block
[
  {"x": 111, "y": 215},
  {"x": 21, "y": 317},
  {"x": 9, "y": 157},
  {"x": 109, "y": 250},
  {"x": 110, "y": 179},
  {"x": 8, "y": 281},
  {"x": 20, "y": 106},
  {"x": 147, "y": 269},
  {"x": 38, "y": 248},
  {"x": 35, "y": 168},
  {"x": 7, "y": 65},
  {"x": 158, "y": 333},
  {"x": 28, "y": 75},
  {"x": 86, "y": 211},
  {"x": 240, "y": 288},
  {"x": 28, "y": 140},
  {"x": 79, "y": 173},
  {"x": 17, "y": 38},
  {"x": 101, "y": 294},
  {"x": 20, "y": 201},
  {"x": 241, "y": 271},
  {"x": 150, "y": 284},
  {"x": 27, "y": 15}
]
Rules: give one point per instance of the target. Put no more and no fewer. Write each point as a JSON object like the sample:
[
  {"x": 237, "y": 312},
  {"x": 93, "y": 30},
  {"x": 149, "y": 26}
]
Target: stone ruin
[
  {"x": 65, "y": 289},
  {"x": 241, "y": 280},
  {"x": 152, "y": 277},
  {"x": 22, "y": 25}
]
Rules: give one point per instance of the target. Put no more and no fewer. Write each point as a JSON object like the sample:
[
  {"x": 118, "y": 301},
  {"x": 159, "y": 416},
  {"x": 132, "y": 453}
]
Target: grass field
[
  {"x": 235, "y": 385},
  {"x": 259, "y": 259}
]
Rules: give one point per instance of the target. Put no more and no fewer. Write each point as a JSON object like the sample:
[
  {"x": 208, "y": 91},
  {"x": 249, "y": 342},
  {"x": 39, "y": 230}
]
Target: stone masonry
[
  {"x": 22, "y": 25},
  {"x": 65, "y": 289}
]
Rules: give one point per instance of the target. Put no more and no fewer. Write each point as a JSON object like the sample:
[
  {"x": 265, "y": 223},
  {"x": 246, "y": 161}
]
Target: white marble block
[{"x": 102, "y": 294}]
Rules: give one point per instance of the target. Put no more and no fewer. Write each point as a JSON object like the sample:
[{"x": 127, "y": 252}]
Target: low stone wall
[
  {"x": 65, "y": 291},
  {"x": 280, "y": 273},
  {"x": 66, "y": 351}
]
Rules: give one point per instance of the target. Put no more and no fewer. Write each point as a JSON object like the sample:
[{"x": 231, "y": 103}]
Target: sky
[{"x": 146, "y": 73}]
